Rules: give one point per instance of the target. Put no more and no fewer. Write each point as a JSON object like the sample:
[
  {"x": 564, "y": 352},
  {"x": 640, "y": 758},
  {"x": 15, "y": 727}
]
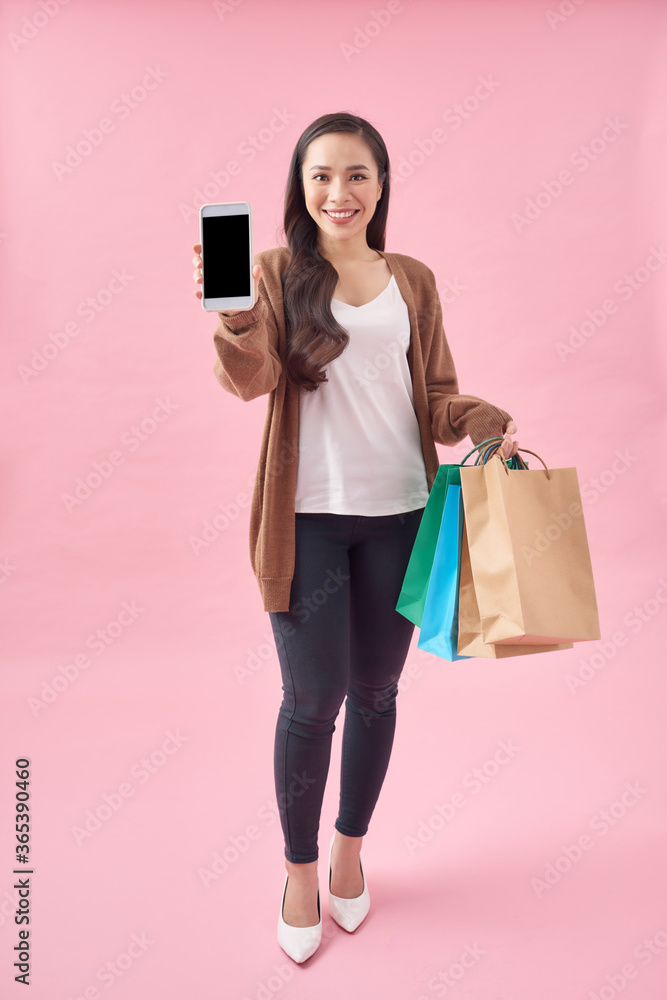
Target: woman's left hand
[{"x": 509, "y": 447}]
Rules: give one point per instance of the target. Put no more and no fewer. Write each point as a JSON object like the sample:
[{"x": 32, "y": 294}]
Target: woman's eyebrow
[{"x": 355, "y": 166}]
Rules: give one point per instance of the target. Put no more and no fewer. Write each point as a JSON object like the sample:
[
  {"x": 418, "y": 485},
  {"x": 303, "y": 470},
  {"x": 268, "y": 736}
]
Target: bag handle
[
  {"x": 514, "y": 459},
  {"x": 481, "y": 445},
  {"x": 495, "y": 450},
  {"x": 515, "y": 462},
  {"x": 495, "y": 443}
]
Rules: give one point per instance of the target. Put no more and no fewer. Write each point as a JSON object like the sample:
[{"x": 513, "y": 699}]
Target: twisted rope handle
[{"x": 495, "y": 450}]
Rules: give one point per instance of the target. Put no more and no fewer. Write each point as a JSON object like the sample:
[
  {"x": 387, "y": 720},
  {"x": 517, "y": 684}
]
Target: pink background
[{"x": 195, "y": 656}]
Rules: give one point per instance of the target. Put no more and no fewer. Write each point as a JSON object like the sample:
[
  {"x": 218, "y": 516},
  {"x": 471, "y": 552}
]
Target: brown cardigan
[{"x": 251, "y": 349}]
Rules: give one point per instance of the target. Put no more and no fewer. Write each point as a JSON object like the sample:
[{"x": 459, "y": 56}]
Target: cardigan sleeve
[
  {"x": 454, "y": 415},
  {"x": 248, "y": 363}
]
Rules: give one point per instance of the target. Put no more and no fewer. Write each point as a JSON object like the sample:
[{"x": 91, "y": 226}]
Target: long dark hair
[{"x": 314, "y": 337}]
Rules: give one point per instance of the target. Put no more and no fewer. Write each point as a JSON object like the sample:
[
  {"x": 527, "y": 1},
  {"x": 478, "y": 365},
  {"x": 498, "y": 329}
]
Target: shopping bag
[
  {"x": 412, "y": 597},
  {"x": 529, "y": 554},
  {"x": 470, "y": 639},
  {"x": 439, "y": 627},
  {"x": 415, "y": 582}
]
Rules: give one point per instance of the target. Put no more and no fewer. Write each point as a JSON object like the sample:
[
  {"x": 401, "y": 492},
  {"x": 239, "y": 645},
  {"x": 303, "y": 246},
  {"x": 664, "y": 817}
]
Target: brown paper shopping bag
[
  {"x": 529, "y": 554},
  {"x": 471, "y": 642}
]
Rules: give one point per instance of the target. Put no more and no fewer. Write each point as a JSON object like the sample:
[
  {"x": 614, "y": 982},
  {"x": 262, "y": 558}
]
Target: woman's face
[{"x": 340, "y": 175}]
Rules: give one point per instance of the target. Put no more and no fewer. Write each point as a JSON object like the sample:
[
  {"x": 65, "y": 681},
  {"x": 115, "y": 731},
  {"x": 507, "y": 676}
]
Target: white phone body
[{"x": 225, "y": 234}]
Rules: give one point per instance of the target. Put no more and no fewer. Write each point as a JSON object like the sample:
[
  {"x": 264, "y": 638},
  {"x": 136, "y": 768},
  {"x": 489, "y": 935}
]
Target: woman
[{"x": 348, "y": 342}]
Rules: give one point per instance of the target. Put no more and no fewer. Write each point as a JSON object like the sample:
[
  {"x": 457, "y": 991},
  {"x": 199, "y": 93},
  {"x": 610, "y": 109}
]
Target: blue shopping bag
[
  {"x": 440, "y": 622},
  {"x": 412, "y": 597}
]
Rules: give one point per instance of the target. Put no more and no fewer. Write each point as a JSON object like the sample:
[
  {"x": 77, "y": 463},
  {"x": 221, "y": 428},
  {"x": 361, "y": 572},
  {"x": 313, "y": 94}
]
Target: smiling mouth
[{"x": 347, "y": 214}]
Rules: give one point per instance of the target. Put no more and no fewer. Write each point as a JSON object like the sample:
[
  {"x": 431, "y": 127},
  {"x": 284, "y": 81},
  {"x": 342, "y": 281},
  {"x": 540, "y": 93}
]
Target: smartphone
[{"x": 226, "y": 250}]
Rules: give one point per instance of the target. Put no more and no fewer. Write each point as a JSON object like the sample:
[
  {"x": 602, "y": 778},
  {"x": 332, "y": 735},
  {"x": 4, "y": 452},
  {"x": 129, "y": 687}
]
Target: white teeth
[{"x": 340, "y": 215}]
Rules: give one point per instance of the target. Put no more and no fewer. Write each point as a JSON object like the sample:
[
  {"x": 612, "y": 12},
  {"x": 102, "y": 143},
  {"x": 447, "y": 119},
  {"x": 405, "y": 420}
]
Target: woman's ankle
[
  {"x": 346, "y": 848},
  {"x": 301, "y": 872}
]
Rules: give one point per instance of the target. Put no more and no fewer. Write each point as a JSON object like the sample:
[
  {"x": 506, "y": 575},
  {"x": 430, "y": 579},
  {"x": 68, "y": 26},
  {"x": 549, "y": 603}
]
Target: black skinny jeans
[{"x": 341, "y": 639}]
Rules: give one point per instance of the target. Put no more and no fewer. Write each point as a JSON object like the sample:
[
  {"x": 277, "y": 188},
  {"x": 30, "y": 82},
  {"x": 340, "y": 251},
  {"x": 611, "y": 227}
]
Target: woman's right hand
[
  {"x": 197, "y": 261},
  {"x": 509, "y": 447}
]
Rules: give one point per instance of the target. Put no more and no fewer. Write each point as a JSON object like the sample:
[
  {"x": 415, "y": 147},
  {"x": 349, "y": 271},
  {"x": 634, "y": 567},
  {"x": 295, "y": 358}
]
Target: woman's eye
[{"x": 360, "y": 176}]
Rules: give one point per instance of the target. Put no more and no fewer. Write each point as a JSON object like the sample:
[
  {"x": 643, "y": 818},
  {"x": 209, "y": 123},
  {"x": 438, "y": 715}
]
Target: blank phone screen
[{"x": 226, "y": 256}]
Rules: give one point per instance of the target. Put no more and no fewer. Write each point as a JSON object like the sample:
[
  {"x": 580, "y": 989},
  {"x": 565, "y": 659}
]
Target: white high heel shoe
[
  {"x": 348, "y": 912},
  {"x": 299, "y": 942}
]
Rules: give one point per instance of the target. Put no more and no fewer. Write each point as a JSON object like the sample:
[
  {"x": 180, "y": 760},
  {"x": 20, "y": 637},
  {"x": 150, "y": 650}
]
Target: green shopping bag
[{"x": 412, "y": 597}]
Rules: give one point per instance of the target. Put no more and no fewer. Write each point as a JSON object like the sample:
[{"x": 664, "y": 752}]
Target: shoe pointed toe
[
  {"x": 299, "y": 942},
  {"x": 348, "y": 913}
]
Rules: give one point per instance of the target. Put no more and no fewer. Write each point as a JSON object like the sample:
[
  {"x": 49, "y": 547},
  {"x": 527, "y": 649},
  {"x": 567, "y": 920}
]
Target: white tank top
[{"x": 359, "y": 444}]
